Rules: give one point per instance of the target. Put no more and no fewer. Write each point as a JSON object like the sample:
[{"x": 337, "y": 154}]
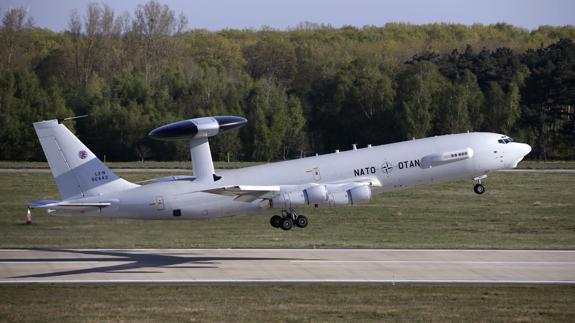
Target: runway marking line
[
  {"x": 64, "y": 250},
  {"x": 320, "y": 261},
  {"x": 288, "y": 281},
  {"x": 439, "y": 262},
  {"x": 66, "y": 262}
]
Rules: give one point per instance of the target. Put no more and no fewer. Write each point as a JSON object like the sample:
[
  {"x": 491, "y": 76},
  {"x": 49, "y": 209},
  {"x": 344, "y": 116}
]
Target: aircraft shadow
[{"x": 134, "y": 262}]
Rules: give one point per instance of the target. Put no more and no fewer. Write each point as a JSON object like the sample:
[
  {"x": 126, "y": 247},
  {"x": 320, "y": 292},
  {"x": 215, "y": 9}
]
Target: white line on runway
[
  {"x": 439, "y": 262},
  {"x": 186, "y": 251},
  {"x": 319, "y": 261},
  {"x": 63, "y": 262},
  {"x": 289, "y": 281},
  {"x": 319, "y": 249}
]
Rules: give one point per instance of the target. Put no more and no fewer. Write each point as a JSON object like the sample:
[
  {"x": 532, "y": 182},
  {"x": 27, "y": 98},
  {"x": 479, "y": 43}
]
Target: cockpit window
[{"x": 505, "y": 140}]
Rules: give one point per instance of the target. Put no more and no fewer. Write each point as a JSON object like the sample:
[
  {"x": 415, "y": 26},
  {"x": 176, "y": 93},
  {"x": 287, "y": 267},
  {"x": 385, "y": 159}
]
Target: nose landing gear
[
  {"x": 478, "y": 187},
  {"x": 288, "y": 219}
]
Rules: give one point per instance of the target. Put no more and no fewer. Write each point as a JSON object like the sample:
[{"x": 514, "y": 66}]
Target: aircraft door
[{"x": 499, "y": 160}]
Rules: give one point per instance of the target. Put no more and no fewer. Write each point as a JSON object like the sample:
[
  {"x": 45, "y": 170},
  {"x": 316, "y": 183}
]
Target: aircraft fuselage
[{"x": 386, "y": 168}]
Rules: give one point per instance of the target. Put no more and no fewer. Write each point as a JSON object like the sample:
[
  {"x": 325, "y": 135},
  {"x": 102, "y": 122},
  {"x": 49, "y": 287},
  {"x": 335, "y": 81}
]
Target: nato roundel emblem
[
  {"x": 82, "y": 154},
  {"x": 386, "y": 167}
]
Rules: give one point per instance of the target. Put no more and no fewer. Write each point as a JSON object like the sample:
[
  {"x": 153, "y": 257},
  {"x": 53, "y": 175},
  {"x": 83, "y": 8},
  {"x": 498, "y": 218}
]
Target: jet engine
[
  {"x": 359, "y": 194},
  {"x": 288, "y": 200},
  {"x": 316, "y": 194},
  {"x": 326, "y": 195}
]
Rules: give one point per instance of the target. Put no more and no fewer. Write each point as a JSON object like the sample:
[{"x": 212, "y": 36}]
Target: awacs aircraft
[{"x": 89, "y": 188}]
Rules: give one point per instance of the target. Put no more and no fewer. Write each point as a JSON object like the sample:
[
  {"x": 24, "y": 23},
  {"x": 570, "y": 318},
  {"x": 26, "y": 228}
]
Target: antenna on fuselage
[
  {"x": 60, "y": 120},
  {"x": 197, "y": 131}
]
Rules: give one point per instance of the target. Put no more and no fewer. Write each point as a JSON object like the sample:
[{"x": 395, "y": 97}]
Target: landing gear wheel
[
  {"x": 287, "y": 223},
  {"x": 301, "y": 221},
  {"x": 276, "y": 221},
  {"x": 479, "y": 189}
]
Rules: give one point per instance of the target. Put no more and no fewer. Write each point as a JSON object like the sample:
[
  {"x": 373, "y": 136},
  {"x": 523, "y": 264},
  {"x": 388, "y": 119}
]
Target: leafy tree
[
  {"x": 259, "y": 134},
  {"x": 294, "y": 140},
  {"x": 354, "y": 106},
  {"x": 152, "y": 26},
  {"x": 549, "y": 96},
  {"x": 460, "y": 106},
  {"x": 22, "y": 102},
  {"x": 271, "y": 56},
  {"x": 417, "y": 97},
  {"x": 275, "y": 122},
  {"x": 313, "y": 88},
  {"x": 501, "y": 109},
  {"x": 16, "y": 25}
]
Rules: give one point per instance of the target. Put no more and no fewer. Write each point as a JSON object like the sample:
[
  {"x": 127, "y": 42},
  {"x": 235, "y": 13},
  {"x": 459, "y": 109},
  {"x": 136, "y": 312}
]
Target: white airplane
[{"x": 89, "y": 188}]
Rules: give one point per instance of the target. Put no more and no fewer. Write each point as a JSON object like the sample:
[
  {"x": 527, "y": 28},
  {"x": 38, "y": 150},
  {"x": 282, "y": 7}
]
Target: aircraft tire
[
  {"x": 301, "y": 221},
  {"x": 479, "y": 189},
  {"x": 287, "y": 223},
  {"x": 276, "y": 221}
]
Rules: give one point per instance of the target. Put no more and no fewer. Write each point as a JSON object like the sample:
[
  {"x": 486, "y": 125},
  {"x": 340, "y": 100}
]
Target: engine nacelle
[
  {"x": 354, "y": 195},
  {"x": 316, "y": 194},
  {"x": 338, "y": 198},
  {"x": 288, "y": 200},
  {"x": 335, "y": 195},
  {"x": 359, "y": 194}
]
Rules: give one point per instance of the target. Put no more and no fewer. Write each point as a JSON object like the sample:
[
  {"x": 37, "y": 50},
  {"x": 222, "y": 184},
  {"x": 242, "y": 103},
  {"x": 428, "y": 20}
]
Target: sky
[{"x": 281, "y": 14}]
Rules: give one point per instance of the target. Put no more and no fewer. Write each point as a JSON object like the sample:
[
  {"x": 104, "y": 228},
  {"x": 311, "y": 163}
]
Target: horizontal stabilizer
[
  {"x": 62, "y": 205},
  {"x": 245, "y": 193},
  {"x": 41, "y": 203},
  {"x": 171, "y": 178}
]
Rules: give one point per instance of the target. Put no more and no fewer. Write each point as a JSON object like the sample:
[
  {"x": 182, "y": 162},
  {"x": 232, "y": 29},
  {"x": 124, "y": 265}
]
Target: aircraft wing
[
  {"x": 246, "y": 193},
  {"x": 62, "y": 205},
  {"x": 250, "y": 193}
]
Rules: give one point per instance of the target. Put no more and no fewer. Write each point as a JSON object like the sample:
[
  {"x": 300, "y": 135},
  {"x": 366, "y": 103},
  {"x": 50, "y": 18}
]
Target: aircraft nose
[
  {"x": 517, "y": 153},
  {"x": 525, "y": 149}
]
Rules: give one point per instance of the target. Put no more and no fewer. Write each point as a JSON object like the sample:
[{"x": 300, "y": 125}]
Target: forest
[{"x": 309, "y": 89}]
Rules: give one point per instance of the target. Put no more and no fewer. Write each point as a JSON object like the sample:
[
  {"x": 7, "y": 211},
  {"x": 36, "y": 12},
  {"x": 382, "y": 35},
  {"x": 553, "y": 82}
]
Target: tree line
[{"x": 309, "y": 89}]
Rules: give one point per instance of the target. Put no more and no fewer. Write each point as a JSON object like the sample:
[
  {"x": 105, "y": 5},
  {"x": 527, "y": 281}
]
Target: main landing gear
[
  {"x": 479, "y": 188},
  {"x": 288, "y": 219}
]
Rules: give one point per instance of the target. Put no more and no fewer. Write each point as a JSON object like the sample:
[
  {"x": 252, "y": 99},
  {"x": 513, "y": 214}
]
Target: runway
[{"x": 114, "y": 266}]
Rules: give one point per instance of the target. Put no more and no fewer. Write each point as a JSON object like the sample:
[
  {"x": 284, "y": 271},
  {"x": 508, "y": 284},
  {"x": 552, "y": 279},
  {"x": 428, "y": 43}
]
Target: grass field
[
  {"x": 287, "y": 303},
  {"x": 533, "y": 210},
  {"x": 519, "y": 210}
]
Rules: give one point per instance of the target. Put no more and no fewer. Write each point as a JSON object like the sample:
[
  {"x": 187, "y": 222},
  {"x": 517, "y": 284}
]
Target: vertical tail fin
[{"x": 77, "y": 171}]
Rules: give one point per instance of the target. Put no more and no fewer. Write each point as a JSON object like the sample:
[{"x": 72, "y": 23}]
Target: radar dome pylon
[{"x": 197, "y": 131}]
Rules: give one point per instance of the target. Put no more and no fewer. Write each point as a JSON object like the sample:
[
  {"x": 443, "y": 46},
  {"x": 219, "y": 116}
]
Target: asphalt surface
[{"x": 115, "y": 266}]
